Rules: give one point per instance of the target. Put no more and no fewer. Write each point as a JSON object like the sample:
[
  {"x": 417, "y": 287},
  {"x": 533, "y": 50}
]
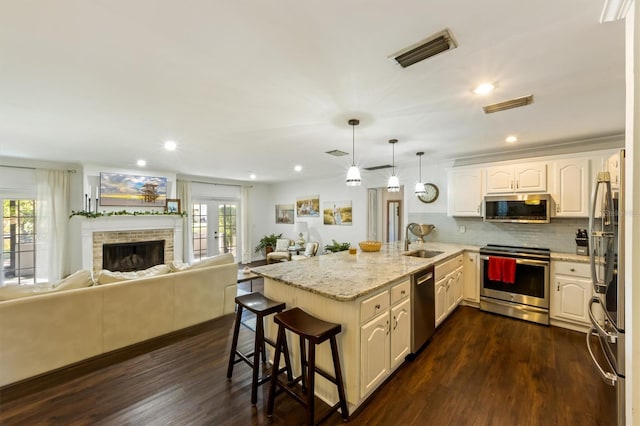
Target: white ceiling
[{"x": 259, "y": 86}]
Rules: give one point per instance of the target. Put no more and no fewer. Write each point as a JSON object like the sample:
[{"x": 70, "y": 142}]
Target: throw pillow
[
  {"x": 78, "y": 279},
  {"x": 176, "y": 266},
  {"x": 108, "y": 277},
  {"x": 221, "y": 259},
  {"x": 282, "y": 244}
]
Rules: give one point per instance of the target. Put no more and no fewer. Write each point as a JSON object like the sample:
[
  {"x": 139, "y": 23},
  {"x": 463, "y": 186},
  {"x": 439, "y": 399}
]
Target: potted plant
[
  {"x": 267, "y": 243},
  {"x": 337, "y": 247}
]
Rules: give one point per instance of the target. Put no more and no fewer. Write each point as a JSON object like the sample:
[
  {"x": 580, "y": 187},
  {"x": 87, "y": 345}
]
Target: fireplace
[{"x": 132, "y": 256}]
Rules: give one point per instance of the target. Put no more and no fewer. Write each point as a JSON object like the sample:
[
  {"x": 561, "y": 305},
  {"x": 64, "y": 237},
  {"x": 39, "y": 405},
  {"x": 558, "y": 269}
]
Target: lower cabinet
[
  {"x": 448, "y": 287},
  {"x": 471, "y": 273},
  {"x": 385, "y": 340},
  {"x": 571, "y": 291}
]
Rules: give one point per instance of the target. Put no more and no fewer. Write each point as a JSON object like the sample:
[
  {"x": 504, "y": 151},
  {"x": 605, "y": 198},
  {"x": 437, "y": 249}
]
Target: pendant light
[
  {"x": 353, "y": 175},
  {"x": 394, "y": 183},
  {"x": 420, "y": 189}
]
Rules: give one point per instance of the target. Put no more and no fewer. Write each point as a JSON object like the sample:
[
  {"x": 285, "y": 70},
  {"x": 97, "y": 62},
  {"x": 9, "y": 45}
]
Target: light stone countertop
[
  {"x": 345, "y": 277},
  {"x": 569, "y": 257}
]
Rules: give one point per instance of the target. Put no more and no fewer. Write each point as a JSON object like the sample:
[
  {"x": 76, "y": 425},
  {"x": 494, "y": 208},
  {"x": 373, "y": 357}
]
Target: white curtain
[
  {"x": 183, "y": 190},
  {"x": 244, "y": 224},
  {"x": 52, "y": 219}
]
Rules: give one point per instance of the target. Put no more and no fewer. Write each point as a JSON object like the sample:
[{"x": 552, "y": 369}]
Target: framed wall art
[
  {"x": 124, "y": 190},
  {"x": 172, "y": 206},
  {"x": 284, "y": 213},
  {"x": 308, "y": 206},
  {"x": 337, "y": 213}
]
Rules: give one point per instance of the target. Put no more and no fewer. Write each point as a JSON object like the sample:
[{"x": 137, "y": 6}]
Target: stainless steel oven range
[{"x": 524, "y": 291}]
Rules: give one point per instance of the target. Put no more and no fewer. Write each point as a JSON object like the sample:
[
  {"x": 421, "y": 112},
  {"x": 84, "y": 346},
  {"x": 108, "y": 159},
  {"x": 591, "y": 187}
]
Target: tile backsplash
[{"x": 559, "y": 235}]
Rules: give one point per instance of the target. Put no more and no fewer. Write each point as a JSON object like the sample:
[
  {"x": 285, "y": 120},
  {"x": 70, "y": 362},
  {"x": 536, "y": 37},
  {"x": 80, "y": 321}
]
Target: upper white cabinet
[
  {"x": 465, "y": 192},
  {"x": 525, "y": 177},
  {"x": 571, "y": 187}
]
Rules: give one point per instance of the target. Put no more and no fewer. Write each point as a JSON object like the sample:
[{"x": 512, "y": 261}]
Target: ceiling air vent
[
  {"x": 511, "y": 103},
  {"x": 385, "y": 166},
  {"x": 336, "y": 153},
  {"x": 424, "y": 49}
]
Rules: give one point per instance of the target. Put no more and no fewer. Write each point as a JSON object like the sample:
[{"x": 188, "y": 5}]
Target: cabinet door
[
  {"x": 374, "y": 353},
  {"x": 456, "y": 286},
  {"x": 571, "y": 190},
  {"x": 441, "y": 300},
  {"x": 571, "y": 298},
  {"x": 465, "y": 193},
  {"x": 530, "y": 177},
  {"x": 471, "y": 286},
  {"x": 499, "y": 179},
  {"x": 400, "y": 332}
]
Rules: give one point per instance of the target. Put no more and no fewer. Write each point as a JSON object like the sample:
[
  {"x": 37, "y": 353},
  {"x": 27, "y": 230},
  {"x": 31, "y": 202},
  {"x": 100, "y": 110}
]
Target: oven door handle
[
  {"x": 520, "y": 261},
  {"x": 612, "y": 337},
  {"x": 610, "y": 378}
]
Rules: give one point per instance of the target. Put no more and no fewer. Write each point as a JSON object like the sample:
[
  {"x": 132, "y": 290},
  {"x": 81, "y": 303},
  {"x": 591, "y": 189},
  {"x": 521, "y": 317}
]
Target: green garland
[{"x": 93, "y": 215}]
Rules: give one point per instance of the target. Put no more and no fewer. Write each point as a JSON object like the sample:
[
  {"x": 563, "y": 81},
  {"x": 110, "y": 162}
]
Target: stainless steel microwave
[{"x": 518, "y": 208}]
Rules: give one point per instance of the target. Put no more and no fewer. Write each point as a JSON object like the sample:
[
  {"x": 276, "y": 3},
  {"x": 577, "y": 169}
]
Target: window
[
  {"x": 199, "y": 227},
  {"x": 18, "y": 241}
]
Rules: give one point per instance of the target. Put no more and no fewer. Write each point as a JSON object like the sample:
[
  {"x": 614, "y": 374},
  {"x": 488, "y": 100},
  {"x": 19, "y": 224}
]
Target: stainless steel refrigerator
[{"x": 606, "y": 308}]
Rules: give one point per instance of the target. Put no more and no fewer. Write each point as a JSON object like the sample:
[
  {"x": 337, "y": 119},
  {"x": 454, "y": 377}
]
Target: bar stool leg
[
  {"x": 274, "y": 374},
  {"x": 311, "y": 370},
  {"x": 344, "y": 410},
  {"x": 258, "y": 347},
  {"x": 234, "y": 342},
  {"x": 304, "y": 366}
]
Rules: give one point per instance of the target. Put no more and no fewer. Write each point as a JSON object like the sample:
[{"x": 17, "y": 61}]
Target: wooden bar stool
[
  {"x": 261, "y": 307},
  {"x": 314, "y": 331}
]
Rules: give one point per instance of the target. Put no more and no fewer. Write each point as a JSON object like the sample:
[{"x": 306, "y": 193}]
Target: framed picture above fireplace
[{"x": 125, "y": 190}]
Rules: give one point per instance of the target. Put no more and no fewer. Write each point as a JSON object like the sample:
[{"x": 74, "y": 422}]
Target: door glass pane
[
  {"x": 199, "y": 228},
  {"x": 18, "y": 241},
  {"x": 227, "y": 228}
]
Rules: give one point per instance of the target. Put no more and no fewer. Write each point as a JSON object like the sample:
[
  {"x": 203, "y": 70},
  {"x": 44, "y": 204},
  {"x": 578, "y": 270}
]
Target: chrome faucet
[
  {"x": 418, "y": 230},
  {"x": 406, "y": 236}
]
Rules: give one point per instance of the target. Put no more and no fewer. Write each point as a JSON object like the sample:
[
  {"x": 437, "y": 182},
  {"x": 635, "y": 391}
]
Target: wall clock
[{"x": 431, "y": 195}]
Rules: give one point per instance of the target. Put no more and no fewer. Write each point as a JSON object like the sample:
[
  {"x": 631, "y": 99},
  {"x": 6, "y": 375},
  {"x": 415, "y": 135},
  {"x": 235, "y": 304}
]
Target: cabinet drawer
[
  {"x": 446, "y": 267},
  {"x": 400, "y": 291},
  {"x": 572, "y": 269},
  {"x": 373, "y": 306}
]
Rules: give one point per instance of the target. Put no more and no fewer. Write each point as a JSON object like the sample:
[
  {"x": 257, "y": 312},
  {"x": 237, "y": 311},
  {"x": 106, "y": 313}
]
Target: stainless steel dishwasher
[{"x": 422, "y": 308}]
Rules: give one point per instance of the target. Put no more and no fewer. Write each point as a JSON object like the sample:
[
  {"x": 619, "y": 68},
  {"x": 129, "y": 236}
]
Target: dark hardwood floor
[{"x": 479, "y": 369}]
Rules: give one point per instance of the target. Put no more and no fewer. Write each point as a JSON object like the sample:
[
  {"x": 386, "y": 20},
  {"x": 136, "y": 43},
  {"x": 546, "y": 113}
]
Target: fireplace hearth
[{"x": 132, "y": 256}]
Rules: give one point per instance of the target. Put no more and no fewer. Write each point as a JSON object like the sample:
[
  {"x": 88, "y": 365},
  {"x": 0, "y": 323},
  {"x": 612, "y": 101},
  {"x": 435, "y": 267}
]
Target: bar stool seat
[
  {"x": 261, "y": 306},
  {"x": 314, "y": 331}
]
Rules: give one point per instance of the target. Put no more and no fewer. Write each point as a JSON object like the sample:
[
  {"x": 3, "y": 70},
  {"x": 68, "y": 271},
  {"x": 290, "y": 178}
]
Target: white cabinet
[
  {"x": 571, "y": 187},
  {"x": 385, "y": 340},
  {"x": 400, "y": 332},
  {"x": 465, "y": 192},
  {"x": 448, "y": 287},
  {"x": 471, "y": 273},
  {"x": 374, "y": 353},
  {"x": 571, "y": 291},
  {"x": 526, "y": 177}
]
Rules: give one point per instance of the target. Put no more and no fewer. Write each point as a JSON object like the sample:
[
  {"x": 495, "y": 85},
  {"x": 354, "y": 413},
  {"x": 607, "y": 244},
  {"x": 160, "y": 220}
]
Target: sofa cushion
[
  {"x": 108, "y": 277},
  {"x": 78, "y": 279},
  {"x": 221, "y": 259},
  {"x": 282, "y": 244}
]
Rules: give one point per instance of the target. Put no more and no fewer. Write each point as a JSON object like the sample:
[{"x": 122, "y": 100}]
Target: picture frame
[
  {"x": 172, "y": 206},
  {"x": 284, "y": 213},
  {"x": 308, "y": 206},
  {"x": 337, "y": 213}
]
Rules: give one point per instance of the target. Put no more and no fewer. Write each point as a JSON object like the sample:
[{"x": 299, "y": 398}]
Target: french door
[{"x": 214, "y": 227}]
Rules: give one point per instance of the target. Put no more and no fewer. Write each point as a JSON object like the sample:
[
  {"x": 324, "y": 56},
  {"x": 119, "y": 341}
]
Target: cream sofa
[{"x": 44, "y": 332}]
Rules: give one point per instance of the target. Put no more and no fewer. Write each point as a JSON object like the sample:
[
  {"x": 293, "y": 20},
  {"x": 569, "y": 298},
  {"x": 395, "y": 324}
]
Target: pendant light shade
[
  {"x": 394, "y": 183},
  {"x": 353, "y": 175},
  {"x": 420, "y": 189}
]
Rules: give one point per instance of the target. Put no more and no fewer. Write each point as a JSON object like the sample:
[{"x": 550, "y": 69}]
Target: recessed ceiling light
[
  {"x": 297, "y": 168},
  {"x": 170, "y": 145},
  {"x": 141, "y": 163},
  {"x": 511, "y": 139},
  {"x": 252, "y": 176},
  {"x": 483, "y": 89}
]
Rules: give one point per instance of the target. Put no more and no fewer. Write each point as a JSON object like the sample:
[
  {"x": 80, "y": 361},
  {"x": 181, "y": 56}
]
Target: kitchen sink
[{"x": 424, "y": 253}]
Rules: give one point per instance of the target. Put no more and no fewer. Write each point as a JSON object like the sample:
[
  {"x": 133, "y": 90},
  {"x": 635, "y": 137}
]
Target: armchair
[
  {"x": 281, "y": 253},
  {"x": 310, "y": 251}
]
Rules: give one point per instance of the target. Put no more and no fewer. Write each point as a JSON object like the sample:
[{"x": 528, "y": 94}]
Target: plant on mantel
[{"x": 93, "y": 215}]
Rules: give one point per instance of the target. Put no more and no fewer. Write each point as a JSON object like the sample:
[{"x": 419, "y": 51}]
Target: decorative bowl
[{"x": 370, "y": 245}]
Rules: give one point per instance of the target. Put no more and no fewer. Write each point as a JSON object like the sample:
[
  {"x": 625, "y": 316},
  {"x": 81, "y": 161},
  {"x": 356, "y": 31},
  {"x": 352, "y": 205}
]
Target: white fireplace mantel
[{"x": 82, "y": 229}]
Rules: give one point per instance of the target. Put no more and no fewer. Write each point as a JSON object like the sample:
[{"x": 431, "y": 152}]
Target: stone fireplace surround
[{"x": 88, "y": 236}]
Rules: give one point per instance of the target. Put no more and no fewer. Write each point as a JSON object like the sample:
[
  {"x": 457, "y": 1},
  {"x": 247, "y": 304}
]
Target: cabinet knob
[
  {"x": 388, "y": 327},
  {"x": 558, "y": 287},
  {"x": 517, "y": 184},
  {"x": 377, "y": 306},
  {"x": 402, "y": 292},
  {"x": 572, "y": 270}
]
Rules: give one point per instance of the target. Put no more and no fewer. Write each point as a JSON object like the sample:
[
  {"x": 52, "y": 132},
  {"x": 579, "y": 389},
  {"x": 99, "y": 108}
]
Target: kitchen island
[{"x": 369, "y": 294}]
